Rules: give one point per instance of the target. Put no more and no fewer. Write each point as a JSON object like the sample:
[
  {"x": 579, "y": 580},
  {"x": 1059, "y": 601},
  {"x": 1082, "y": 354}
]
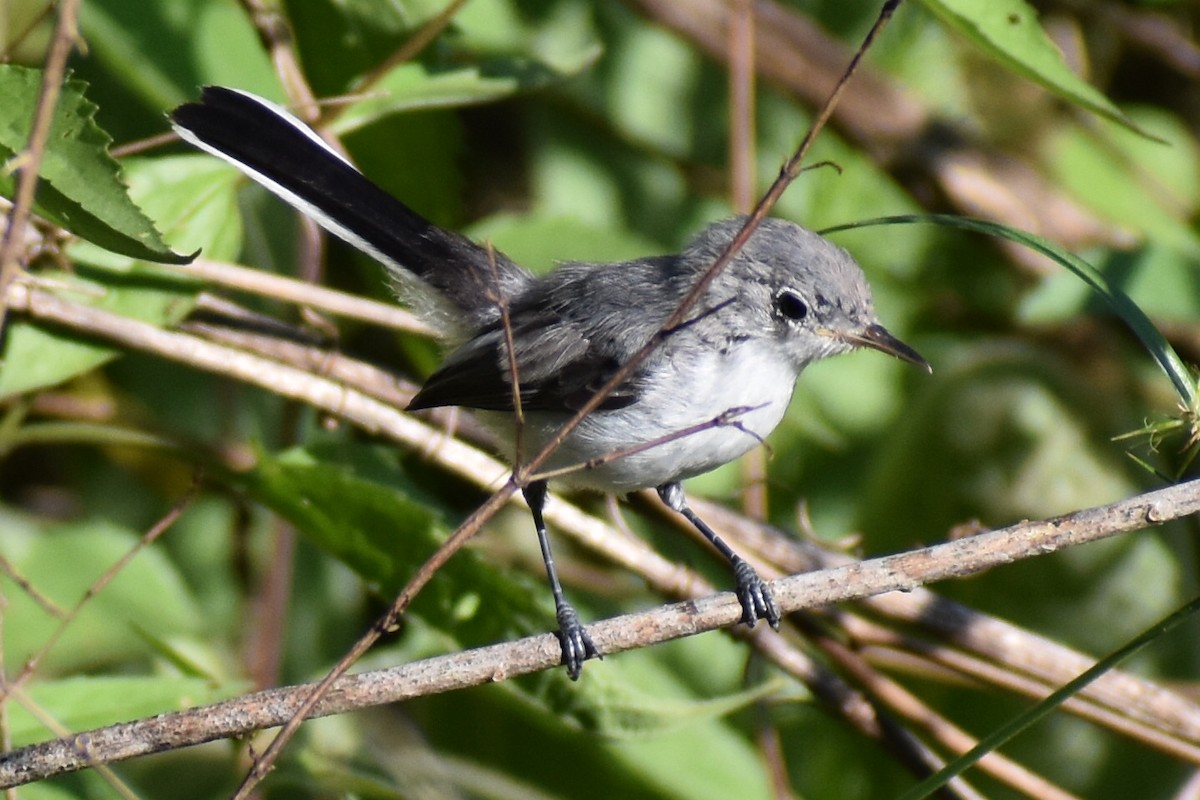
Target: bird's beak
[{"x": 877, "y": 338}]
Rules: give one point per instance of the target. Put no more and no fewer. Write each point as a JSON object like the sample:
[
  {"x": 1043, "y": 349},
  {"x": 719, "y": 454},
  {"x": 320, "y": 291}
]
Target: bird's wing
[{"x": 558, "y": 369}]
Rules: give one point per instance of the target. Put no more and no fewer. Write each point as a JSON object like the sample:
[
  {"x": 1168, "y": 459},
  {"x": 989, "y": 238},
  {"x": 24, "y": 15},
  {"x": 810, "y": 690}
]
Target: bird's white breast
[{"x": 748, "y": 389}]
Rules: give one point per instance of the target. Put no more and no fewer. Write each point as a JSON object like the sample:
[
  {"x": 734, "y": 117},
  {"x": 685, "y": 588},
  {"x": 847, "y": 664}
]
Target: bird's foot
[
  {"x": 754, "y": 595},
  {"x": 577, "y": 645}
]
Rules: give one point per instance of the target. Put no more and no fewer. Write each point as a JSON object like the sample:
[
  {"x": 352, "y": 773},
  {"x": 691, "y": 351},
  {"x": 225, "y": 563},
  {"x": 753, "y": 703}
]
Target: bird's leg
[
  {"x": 752, "y": 591},
  {"x": 577, "y": 646}
]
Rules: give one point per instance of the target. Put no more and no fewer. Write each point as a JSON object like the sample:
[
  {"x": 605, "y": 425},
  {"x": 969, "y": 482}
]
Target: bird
[{"x": 716, "y": 386}]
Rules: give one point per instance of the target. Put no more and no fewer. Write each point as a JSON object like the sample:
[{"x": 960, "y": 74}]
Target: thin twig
[
  {"x": 29, "y": 161},
  {"x": 726, "y": 419},
  {"x": 275, "y": 33},
  {"x": 899, "y": 700},
  {"x": 406, "y": 52},
  {"x": 742, "y": 182},
  {"x": 500, "y": 300},
  {"x": 42, "y": 601},
  {"x": 148, "y": 538}
]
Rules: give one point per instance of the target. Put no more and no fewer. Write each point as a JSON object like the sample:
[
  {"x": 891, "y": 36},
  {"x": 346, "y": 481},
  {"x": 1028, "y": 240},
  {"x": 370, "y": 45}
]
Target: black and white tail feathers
[{"x": 283, "y": 154}]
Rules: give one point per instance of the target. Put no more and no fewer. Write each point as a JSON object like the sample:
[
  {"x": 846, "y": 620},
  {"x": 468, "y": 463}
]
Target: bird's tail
[{"x": 287, "y": 157}]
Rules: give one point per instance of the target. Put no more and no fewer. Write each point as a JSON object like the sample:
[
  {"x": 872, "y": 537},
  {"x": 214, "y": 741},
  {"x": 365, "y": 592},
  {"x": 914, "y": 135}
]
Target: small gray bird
[{"x": 787, "y": 298}]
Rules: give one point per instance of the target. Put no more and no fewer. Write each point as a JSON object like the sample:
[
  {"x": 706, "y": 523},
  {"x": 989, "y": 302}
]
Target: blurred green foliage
[{"x": 573, "y": 129}]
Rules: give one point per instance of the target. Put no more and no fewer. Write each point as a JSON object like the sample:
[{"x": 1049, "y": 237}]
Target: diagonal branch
[{"x": 901, "y": 572}]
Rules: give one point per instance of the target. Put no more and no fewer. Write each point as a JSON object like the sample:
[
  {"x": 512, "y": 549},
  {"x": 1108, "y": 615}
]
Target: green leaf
[
  {"x": 416, "y": 87},
  {"x": 1138, "y": 184},
  {"x": 1008, "y": 30},
  {"x": 359, "y": 505},
  {"x": 147, "y": 597},
  {"x": 160, "y": 52},
  {"x": 377, "y": 530},
  {"x": 653, "y": 728},
  {"x": 644, "y": 707},
  {"x": 79, "y": 183},
  {"x": 194, "y": 199}
]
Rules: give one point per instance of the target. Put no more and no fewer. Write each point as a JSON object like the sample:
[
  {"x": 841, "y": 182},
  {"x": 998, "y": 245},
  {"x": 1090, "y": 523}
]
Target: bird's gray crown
[{"x": 788, "y": 283}]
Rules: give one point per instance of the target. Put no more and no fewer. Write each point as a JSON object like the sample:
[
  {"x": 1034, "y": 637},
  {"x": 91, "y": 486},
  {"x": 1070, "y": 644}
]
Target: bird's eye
[{"x": 789, "y": 304}]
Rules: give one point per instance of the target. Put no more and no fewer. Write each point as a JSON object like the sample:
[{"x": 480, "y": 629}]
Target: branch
[
  {"x": 1030, "y": 663},
  {"x": 902, "y": 572},
  {"x": 302, "y": 293}
]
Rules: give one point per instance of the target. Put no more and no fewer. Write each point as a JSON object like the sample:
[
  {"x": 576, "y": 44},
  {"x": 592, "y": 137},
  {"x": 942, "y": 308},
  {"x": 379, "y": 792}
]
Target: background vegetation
[{"x": 570, "y": 129}]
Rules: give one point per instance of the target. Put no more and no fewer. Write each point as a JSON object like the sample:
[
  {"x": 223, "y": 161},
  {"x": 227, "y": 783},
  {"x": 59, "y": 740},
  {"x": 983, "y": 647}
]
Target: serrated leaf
[
  {"x": 79, "y": 184},
  {"x": 194, "y": 199},
  {"x": 416, "y": 87},
  {"x": 1008, "y": 30}
]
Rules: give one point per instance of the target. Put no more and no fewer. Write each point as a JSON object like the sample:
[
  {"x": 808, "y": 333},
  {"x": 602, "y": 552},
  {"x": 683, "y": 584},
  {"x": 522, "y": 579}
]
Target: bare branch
[
  {"x": 302, "y": 293},
  {"x": 1021, "y": 654},
  {"x": 902, "y": 572}
]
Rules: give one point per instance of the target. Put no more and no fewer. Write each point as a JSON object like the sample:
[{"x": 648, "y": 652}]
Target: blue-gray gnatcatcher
[{"x": 787, "y": 298}]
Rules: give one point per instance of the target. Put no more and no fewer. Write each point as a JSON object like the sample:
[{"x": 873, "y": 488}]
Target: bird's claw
[
  {"x": 754, "y": 595},
  {"x": 577, "y": 645}
]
